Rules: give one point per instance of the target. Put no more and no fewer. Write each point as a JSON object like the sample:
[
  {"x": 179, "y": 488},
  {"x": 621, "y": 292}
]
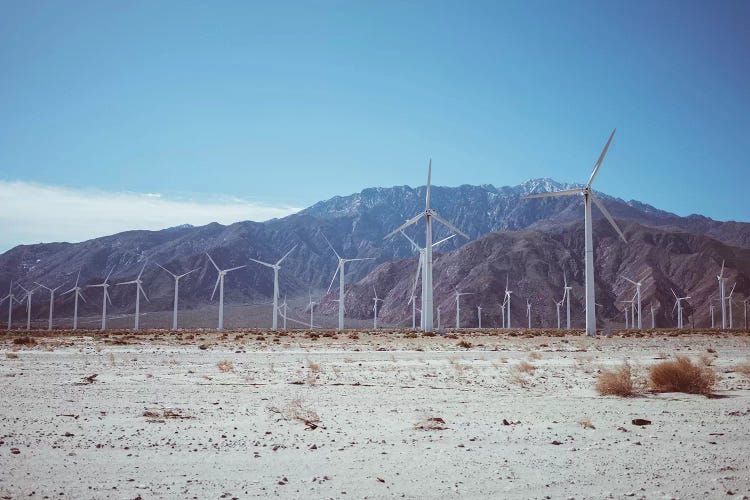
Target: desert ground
[{"x": 490, "y": 414}]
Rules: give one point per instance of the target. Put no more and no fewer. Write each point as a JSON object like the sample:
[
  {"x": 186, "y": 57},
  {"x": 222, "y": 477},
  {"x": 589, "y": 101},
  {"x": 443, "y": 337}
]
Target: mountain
[
  {"x": 534, "y": 262},
  {"x": 354, "y": 224}
]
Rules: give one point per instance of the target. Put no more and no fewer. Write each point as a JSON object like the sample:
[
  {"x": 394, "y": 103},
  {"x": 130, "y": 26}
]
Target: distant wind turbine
[
  {"x": 311, "y": 305},
  {"x": 77, "y": 289},
  {"x": 722, "y": 297},
  {"x": 729, "y": 301},
  {"x": 138, "y": 291},
  {"x": 678, "y": 306},
  {"x": 29, "y": 293},
  {"x": 340, "y": 270},
  {"x": 566, "y": 297},
  {"x": 458, "y": 307},
  {"x": 10, "y": 298},
  {"x": 220, "y": 285},
  {"x": 177, "y": 278},
  {"x": 638, "y": 298},
  {"x": 276, "y": 267},
  {"x": 428, "y": 214},
  {"x": 507, "y": 301},
  {"x": 51, "y": 302},
  {"x": 588, "y": 197},
  {"x": 528, "y": 312},
  {"x": 479, "y": 316},
  {"x": 105, "y": 297},
  {"x": 376, "y": 299}
]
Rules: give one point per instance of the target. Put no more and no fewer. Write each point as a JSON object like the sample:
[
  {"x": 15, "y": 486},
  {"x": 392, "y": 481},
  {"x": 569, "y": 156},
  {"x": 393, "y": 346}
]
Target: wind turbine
[
  {"x": 138, "y": 291},
  {"x": 638, "y": 295},
  {"x": 312, "y": 305},
  {"x": 220, "y": 284},
  {"x": 566, "y": 297},
  {"x": 711, "y": 308},
  {"x": 421, "y": 267},
  {"x": 51, "y": 302},
  {"x": 744, "y": 302},
  {"x": 440, "y": 327},
  {"x": 528, "y": 311},
  {"x": 653, "y": 323},
  {"x": 10, "y": 297},
  {"x": 428, "y": 214},
  {"x": 413, "y": 301},
  {"x": 177, "y": 278},
  {"x": 557, "y": 306},
  {"x": 375, "y": 309},
  {"x": 77, "y": 289},
  {"x": 275, "y": 267},
  {"x": 29, "y": 293},
  {"x": 502, "y": 314},
  {"x": 507, "y": 301},
  {"x": 479, "y": 316},
  {"x": 105, "y": 297},
  {"x": 729, "y": 300},
  {"x": 588, "y": 197},
  {"x": 284, "y": 313},
  {"x": 458, "y": 307},
  {"x": 722, "y": 279},
  {"x": 678, "y": 306},
  {"x": 626, "y": 310},
  {"x": 340, "y": 270}
]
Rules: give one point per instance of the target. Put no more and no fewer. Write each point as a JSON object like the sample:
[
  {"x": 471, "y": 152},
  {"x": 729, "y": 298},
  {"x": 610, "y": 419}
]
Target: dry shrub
[
  {"x": 535, "y": 355},
  {"x": 411, "y": 335},
  {"x": 586, "y": 424},
  {"x": 681, "y": 375},
  {"x": 313, "y": 366},
  {"x": 524, "y": 367},
  {"x": 24, "y": 341},
  {"x": 617, "y": 382},
  {"x": 296, "y": 410},
  {"x": 11, "y": 355},
  {"x": 465, "y": 344},
  {"x": 743, "y": 368},
  {"x": 225, "y": 365}
]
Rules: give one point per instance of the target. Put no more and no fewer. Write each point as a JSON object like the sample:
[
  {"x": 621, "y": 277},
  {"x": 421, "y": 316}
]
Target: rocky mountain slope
[{"x": 355, "y": 225}]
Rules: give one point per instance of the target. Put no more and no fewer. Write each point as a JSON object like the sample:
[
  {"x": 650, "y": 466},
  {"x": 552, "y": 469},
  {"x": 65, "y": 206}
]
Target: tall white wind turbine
[
  {"x": 638, "y": 298},
  {"x": 566, "y": 297},
  {"x": 340, "y": 270},
  {"x": 722, "y": 297},
  {"x": 220, "y": 285},
  {"x": 77, "y": 294},
  {"x": 138, "y": 282},
  {"x": 51, "y": 302},
  {"x": 105, "y": 297},
  {"x": 626, "y": 311},
  {"x": 528, "y": 311},
  {"x": 729, "y": 301},
  {"x": 507, "y": 302},
  {"x": 276, "y": 267},
  {"x": 678, "y": 306},
  {"x": 458, "y": 307},
  {"x": 428, "y": 214},
  {"x": 10, "y": 298},
  {"x": 311, "y": 305},
  {"x": 589, "y": 197},
  {"x": 375, "y": 299},
  {"x": 177, "y": 278},
  {"x": 557, "y": 306},
  {"x": 502, "y": 314},
  {"x": 28, "y": 295}
]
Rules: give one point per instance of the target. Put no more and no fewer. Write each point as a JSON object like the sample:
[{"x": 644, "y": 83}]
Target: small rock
[{"x": 640, "y": 421}]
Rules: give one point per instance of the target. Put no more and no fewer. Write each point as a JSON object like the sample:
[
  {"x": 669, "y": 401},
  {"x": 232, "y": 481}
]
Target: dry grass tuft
[
  {"x": 534, "y": 355},
  {"x": 296, "y": 410},
  {"x": 681, "y": 375},
  {"x": 11, "y": 355},
  {"x": 225, "y": 366},
  {"x": 617, "y": 382},
  {"x": 586, "y": 424},
  {"x": 465, "y": 344},
  {"x": 524, "y": 367},
  {"x": 313, "y": 366},
  {"x": 24, "y": 340},
  {"x": 430, "y": 424},
  {"x": 743, "y": 368}
]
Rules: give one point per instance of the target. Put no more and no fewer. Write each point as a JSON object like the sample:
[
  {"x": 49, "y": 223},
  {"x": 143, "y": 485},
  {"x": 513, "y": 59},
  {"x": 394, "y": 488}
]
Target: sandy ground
[{"x": 330, "y": 417}]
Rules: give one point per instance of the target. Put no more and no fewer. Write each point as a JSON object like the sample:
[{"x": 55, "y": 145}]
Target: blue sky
[{"x": 271, "y": 106}]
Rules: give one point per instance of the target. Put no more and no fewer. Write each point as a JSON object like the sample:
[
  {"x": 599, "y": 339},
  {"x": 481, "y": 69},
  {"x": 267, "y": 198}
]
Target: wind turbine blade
[
  {"x": 334, "y": 277},
  {"x": 167, "y": 270},
  {"x": 142, "y": 269},
  {"x": 675, "y": 295},
  {"x": 212, "y": 262},
  {"x": 628, "y": 279},
  {"x": 442, "y": 241},
  {"x": 601, "y": 159},
  {"x": 721, "y": 274},
  {"x": 191, "y": 271},
  {"x": 286, "y": 255},
  {"x": 429, "y": 181},
  {"x": 77, "y": 278},
  {"x": 106, "y": 295},
  {"x": 329, "y": 244},
  {"x": 406, "y": 224},
  {"x": 233, "y": 269},
  {"x": 81, "y": 296},
  {"x": 71, "y": 290},
  {"x": 215, "y": 286},
  {"x": 566, "y": 192},
  {"x": 732, "y": 290},
  {"x": 565, "y": 279},
  {"x": 263, "y": 263},
  {"x": 109, "y": 274},
  {"x": 126, "y": 283},
  {"x": 449, "y": 225},
  {"x": 608, "y": 216},
  {"x": 361, "y": 258},
  {"x": 140, "y": 288},
  {"x": 413, "y": 243}
]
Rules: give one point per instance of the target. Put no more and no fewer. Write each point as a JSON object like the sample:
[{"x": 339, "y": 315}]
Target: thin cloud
[{"x": 35, "y": 213}]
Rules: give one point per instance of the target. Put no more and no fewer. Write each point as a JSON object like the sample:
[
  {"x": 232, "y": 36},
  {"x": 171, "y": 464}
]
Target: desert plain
[{"x": 363, "y": 414}]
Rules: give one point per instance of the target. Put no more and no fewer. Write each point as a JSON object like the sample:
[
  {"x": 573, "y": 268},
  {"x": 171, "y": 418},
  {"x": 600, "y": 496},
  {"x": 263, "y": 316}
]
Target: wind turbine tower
[
  {"x": 138, "y": 282},
  {"x": 340, "y": 270},
  {"x": 77, "y": 289},
  {"x": 177, "y": 278},
  {"x": 276, "y": 267},
  {"x": 105, "y": 297},
  {"x": 51, "y": 302},
  {"x": 588, "y": 198},
  {"x": 220, "y": 285}
]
